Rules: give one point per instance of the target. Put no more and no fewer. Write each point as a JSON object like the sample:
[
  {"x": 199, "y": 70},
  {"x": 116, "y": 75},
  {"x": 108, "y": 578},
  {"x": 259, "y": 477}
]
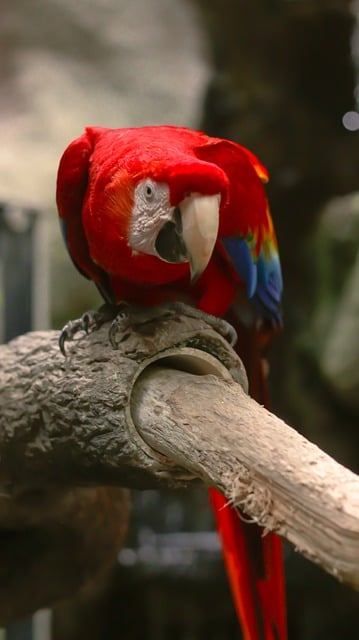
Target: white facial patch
[{"x": 151, "y": 210}]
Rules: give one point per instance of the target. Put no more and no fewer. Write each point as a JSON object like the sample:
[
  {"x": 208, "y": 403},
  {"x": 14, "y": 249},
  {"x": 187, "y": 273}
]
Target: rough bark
[
  {"x": 63, "y": 440},
  {"x": 264, "y": 467},
  {"x": 67, "y": 420},
  {"x": 165, "y": 409}
]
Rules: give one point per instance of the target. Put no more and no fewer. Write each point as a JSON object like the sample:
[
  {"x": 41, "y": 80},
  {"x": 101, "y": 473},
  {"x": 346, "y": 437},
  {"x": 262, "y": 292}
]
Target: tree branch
[
  {"x": 273, "y": 474},
  {"x": 165, "y": 409}
]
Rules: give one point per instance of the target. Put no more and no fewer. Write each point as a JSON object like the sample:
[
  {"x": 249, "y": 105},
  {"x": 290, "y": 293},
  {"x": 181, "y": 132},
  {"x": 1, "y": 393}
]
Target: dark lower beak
[
  {"x": 192, "y": 234},
  {"x": 169, "y": 244}
]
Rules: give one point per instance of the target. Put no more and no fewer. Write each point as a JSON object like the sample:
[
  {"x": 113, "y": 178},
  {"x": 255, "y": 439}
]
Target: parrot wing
[
  {"x": 72, "y": 179},
  {"x": 247, "y": 237}
]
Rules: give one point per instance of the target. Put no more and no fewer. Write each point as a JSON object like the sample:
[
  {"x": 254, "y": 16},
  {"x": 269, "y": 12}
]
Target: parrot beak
[
  {"x": 191, "y": 234},
  {"x": 200, "y": 221}
]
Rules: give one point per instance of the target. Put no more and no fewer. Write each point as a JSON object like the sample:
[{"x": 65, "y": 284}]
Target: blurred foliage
[{"x": 336, "y": 317}]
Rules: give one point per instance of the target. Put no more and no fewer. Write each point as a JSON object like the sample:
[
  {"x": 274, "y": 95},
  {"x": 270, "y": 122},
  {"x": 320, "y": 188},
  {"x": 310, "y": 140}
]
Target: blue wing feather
[
  {"x": 262, "y": 276},
  {"x": 268, "y": 295},
  {"x": 239, "y": 253}
]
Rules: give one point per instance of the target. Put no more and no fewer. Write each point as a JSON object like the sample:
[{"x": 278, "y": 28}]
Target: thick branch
[
  {"x": 70, "y": 422},
  {"x": 271, "y": 472},
  {"x": 66, "y": 420}
]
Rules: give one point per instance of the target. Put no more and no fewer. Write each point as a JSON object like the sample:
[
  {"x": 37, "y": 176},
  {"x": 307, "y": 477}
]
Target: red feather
[{"x": 96, "y": 183}]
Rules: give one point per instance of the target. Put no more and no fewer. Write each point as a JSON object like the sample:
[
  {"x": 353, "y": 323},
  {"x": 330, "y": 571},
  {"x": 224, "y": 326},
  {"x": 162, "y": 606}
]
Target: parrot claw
[
  {"x": 224, "y": 328},
  {"x": 124, "y": 316},
  {"x": 120, "y": 323},
  {"x": 132, "y": 316},
  {"x": 90, "y": 321}
]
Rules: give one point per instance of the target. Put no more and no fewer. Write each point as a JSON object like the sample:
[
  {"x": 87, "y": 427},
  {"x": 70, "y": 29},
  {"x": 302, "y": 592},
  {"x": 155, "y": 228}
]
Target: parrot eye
[{"x": 149, "y": 192}]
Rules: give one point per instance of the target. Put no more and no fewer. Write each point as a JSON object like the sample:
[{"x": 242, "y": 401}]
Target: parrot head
[
  {"x": 175, "y": 226},
  {"x": 156, "y": 206}
]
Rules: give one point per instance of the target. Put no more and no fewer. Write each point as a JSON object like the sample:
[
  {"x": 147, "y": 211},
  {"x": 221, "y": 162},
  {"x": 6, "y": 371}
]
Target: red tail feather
[
  {"x": 253, "y": 560},
  {"x": 255, "y": 573}
]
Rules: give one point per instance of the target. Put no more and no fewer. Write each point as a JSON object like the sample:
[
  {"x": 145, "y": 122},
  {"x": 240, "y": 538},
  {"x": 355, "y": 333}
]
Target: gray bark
[
  {"x": 66, "y": 420},
  {"x": 168, "y": 408},
  {"x": 272, "y": 473}
]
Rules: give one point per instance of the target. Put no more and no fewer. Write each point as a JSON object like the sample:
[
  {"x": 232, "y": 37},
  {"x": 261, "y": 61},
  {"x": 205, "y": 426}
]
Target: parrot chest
[{"x": 150, "y": 295}]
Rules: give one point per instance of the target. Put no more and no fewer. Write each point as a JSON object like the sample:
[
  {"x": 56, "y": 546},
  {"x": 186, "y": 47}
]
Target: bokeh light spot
[{"x": 351, "y": 120}]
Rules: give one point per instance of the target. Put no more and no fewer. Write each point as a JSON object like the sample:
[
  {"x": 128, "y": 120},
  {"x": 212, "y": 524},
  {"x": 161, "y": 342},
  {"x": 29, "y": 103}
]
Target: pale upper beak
[
  {"x": 200, "y": 220},
  {"x": 192, "y": 234}
]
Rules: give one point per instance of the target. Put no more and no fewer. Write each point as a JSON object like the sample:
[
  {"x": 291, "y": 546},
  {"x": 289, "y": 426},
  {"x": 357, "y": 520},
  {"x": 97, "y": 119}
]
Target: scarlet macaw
[{"x": 156, "y": 214}]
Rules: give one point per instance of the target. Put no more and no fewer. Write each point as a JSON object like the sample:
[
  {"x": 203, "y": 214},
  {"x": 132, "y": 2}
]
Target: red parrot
[{"x": 163, "y": 213}]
